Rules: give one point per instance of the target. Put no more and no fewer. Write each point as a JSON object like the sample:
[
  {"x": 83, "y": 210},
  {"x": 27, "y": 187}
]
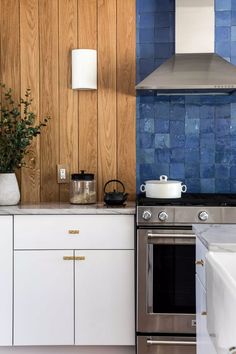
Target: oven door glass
[{"x": 171, "y": 275}]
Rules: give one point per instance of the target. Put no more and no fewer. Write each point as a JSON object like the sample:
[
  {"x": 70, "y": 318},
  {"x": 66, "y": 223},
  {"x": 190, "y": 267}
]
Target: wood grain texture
[
  {"x": 87, "y": 38},
  {"x": 49, "y": 103},
  {"x": 126, "y": 100},
  {"x": 68, "y": 98},
  {"x": 107, "y": 162},
  {"x": 10, "y": 49},
  {"x": 29, "y": 47}
]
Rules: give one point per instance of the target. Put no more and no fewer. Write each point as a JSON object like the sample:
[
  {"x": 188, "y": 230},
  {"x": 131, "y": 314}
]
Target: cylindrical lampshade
[{"x": 84, "y": 69}]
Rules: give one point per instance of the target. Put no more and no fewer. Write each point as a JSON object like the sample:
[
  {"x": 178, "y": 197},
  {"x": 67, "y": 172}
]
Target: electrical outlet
[{"x": 63, "y": 175}]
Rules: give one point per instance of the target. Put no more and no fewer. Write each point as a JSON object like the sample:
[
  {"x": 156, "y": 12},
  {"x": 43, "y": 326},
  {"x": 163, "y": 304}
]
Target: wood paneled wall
[{"x": 90, "y": 130}]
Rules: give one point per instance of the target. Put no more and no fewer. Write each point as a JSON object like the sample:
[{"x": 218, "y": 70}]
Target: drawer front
[
  {"x": 74, "y": 232},
  {"x": 166, "y": 345},
  {"x": 201, "y": 252}
]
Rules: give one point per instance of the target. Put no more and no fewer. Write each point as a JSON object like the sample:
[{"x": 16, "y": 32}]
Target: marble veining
[
  {"x": 217, "y": 237},
  {"x": 66, "y": 209}
]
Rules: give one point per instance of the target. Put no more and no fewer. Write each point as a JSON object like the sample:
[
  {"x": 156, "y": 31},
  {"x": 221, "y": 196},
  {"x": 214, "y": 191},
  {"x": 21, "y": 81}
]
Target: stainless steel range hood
[{"x": 195, "y": 68}]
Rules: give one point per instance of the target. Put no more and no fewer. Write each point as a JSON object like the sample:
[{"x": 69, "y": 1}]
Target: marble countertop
[
  {"x": 66, "y": 208},
  {"x": 217, "y": 237}
]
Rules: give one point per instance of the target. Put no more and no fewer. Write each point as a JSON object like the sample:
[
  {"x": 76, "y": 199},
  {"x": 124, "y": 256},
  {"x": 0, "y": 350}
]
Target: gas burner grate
[{"x": 190, "y": 199}]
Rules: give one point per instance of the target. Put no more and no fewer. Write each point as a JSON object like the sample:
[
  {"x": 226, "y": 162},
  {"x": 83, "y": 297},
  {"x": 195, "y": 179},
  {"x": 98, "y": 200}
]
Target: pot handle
[
  {"x": 114, "y": 180},
  {"x": 184, "y": 188},
  {"x": 163, "y": 178},
  {"x": 143, "y": 188}
]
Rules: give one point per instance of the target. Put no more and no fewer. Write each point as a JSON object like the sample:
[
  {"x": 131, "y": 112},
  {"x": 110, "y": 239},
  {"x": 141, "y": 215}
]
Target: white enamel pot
[{"x": 163, "y": 188}]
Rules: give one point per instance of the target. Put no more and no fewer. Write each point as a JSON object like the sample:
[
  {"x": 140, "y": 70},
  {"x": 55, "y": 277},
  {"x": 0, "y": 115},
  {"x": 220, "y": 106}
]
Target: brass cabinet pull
[
  {"x": 200, "y": 262},
  {"x": 73, "y": 232},
  {"x": 74, "y": 258},
  {"x": 68, "y": 258},
  {"x": 203, "y": 313}
]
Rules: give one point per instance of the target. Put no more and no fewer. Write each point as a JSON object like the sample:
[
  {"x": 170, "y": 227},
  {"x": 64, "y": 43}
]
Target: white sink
[{"x": 221, "y": 300}]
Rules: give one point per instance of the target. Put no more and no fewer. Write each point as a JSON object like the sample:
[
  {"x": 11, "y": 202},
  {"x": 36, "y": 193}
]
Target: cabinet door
[
  {"x": 43, "y": 298},
  {"x": 104, "y": 298},
  {"x": 204, "y": 343},
  {"x": 6, "y": 272}
]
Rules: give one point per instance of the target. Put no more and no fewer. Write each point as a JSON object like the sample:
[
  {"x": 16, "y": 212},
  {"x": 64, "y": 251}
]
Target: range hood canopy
[{"x": 194, "y": 68}]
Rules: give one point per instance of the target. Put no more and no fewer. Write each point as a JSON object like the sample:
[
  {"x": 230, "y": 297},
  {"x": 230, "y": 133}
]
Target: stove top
[{"x": 190, "y": 199}]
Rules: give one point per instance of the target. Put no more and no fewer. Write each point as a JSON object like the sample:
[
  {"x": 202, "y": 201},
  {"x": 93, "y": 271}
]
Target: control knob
[
  {"x": 203, "y": 216},
  {"x": 163, "y": 216},
  {"x": 147, "y": 215}
]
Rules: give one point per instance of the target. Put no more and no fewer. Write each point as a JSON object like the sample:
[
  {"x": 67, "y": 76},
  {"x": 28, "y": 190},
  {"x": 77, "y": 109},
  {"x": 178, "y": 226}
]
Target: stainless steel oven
[{"x": 166, "y": 288}]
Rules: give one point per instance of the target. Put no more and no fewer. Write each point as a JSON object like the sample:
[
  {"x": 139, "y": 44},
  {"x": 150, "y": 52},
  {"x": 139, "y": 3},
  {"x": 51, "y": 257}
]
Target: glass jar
[{"x": 82, "y": 188}]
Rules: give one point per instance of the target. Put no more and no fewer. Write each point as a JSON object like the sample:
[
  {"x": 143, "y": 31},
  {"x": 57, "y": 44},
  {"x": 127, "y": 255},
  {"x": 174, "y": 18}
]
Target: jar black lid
[{"x": 82, "y": 176}]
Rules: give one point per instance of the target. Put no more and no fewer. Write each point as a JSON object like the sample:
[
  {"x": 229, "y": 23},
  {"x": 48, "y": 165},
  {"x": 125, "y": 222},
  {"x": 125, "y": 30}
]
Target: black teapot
[{"x": 115, "y": 198}]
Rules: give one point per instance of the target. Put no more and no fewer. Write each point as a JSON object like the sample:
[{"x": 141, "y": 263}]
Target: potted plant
[{"x": 17, "y": 130}]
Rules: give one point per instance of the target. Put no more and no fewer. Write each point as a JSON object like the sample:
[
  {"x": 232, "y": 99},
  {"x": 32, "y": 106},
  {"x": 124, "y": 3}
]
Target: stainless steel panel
[
  {"x": 152, "y": 322},
  {"x": 166, "y": 345}
]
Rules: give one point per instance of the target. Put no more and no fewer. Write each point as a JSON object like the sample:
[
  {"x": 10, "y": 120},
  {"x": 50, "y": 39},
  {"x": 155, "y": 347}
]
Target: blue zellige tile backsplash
[{"x": 189, "y": 138}]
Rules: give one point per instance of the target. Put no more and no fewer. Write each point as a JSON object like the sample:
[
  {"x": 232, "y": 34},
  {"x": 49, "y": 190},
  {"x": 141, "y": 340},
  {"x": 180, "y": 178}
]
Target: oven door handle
[
  {"x": 150, "y": 235},
  {"x": 169, "y": 342}
]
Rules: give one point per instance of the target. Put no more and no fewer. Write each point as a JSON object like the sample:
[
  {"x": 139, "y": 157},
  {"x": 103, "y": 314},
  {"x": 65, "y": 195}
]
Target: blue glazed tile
[
  {"x": 233, "y": 127},
  {"x": 233, "y": 49},
  {"x": 164, "y": 50},
  {"x": 147, "y": 6},
  {"x": 233, "y": 110},
  {"x": 207, "y": 185},
  {"x": 162, "y": 110},
  {"x": 192, "y": 141},
  {"x": 147, "y": 20},
  {"x": 177, "y": 127},
  {"x": 177, "y": 100},
  {"x": 146, "y": 156},
  {"x": 165, "y": 5},
  {"x": 223, "y": 156},
  {"x": 223, "y": 18},
  {"x": 146, "y": 140},
  {"x": 222, "y": 5},
  {"x": 207, "y": 112},
  {"x": 207, "y": 126},
  {"x": 222, "y": 142},
  {"x": 177, "y": 112},
  {"x": 222, "y": 185},
  {"x": 146, "y": 125},
  {"x": 177, "y": 155},
  {"x": 147, "y": 98},
  {"x": 222, "y": 171},
  {"x": 162, "y": 141},
  {"x": 146, "y": 172},
  {"x": 223, "y": 49},
  {"x": 162, "y": 126},
  {"x": 233, "y": 142},
  {"x": 233, "y": 156},
  {"x": 233, "y": 33},
  {"x": 177, "y": 171},
  {"x": 233, "y": 5},
  {"x": 233, "y": 18},
  {"x": 222, "y": 127},
  {"x": 146, "y": 65},
  {"x": 146, "y": 35},
  {"x": 159, "y": 62},
  {"x": 232, "y": 172},
  {"x": 207, "y": 155},
  {"x": 162, "y": 156},
  {"x": 192, "y": 111},
  {"x": 192, "y": 126},
  {"x": 233, "y": 185},
  {"x": 177, "y": 141},
  {"x": 162, "y": 169},
  {"x": 146, "y": 110},
  {"x": 192, "y": 155},
  {"x": 146, "y": 50},
  {"x": 163, "y": 35},
  {"x": 207, "y": 171},
  {"x": 207, "y": 140},
  {"x": 223, "y": 34},
  {"x": 192, "y": 170},
  {"x": 164, "y": 19},
  {"x": 193, "y": 185}
]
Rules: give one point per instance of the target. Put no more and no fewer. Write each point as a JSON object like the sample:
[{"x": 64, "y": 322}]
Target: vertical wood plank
[
  {"x": 10, "y": 48},
  {"x": 107, "y": 163},
  {"x": 68, "y": 98},
  {"x": 87, "y": 38},
  {"x": 29, "y": 47},
  {"x": 49, "y": 154},
  {"x": 126, "y": 102}
]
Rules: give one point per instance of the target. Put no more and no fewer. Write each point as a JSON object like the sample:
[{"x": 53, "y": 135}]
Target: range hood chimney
[{"x": 194, "y": 68}]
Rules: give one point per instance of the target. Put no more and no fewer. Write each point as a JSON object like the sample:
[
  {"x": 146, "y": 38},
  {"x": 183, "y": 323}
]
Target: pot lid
[
  {"x": 82, "y": 176},
  {"x": 163, "y": 179}
]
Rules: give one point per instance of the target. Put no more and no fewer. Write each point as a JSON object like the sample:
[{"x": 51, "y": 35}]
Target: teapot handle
[{"x": 114, "y": 180}]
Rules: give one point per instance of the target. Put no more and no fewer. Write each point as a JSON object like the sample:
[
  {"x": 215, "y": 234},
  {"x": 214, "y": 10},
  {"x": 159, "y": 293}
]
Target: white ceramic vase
[{"x": 9, "y": 189}]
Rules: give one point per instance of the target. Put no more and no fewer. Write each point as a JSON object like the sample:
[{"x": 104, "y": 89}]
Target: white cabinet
[
  {"x": 43, "y": 298},
  {"x": 6, "y": 271},
  {"x": 86, "y": 298},
  {"x": 104, "y": 298}
]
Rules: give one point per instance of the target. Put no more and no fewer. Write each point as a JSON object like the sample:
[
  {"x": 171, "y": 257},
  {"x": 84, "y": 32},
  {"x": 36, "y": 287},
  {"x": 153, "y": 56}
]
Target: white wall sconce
[{"x": 84, "y": 69}]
